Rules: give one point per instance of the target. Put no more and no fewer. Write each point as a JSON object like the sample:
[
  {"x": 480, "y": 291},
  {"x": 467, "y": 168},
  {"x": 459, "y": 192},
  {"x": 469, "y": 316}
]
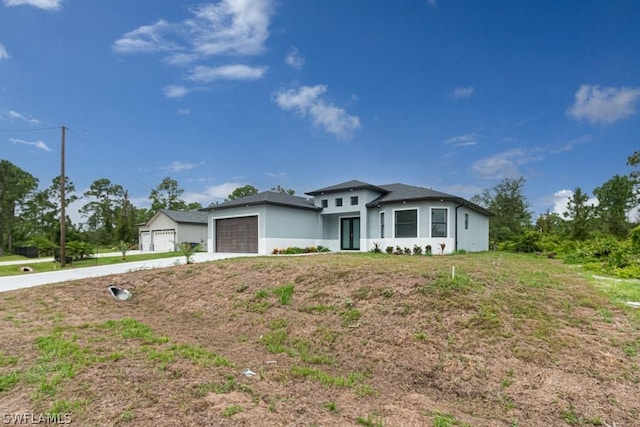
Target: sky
[{"x": 454, "y": 95}]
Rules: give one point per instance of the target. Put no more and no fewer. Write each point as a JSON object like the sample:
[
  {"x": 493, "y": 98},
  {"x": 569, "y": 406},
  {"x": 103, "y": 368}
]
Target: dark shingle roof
[
  {"x": 269, "y": 198},
  {"x": 191, "y": 217},
  {"x": 396, "y": 193},
  {"x": 346, "y": 186}
]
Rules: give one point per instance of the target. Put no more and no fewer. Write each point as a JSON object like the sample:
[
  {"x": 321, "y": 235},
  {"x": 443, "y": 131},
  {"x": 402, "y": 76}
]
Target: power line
[{"x": 30, "y": 129}]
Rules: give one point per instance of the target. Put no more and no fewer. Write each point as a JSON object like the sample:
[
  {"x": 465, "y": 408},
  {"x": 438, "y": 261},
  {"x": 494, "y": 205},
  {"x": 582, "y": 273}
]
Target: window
[
  {"x": 438, "y": 223},
  {"x": 407, "y": 223},
  {"x": 325, "y": 203},
  {"x": 466, "y": 221},
  {"x": 339, "y": 201},
  {"x": 382, "y": 225},
  {"x": 354, "y": 200}
]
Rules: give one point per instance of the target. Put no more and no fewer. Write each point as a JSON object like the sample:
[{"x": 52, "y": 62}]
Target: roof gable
[
  {"x": 266, "y": 197},
  {"x": 348, "y": 186},
  {"x": 191, "y": 217}
]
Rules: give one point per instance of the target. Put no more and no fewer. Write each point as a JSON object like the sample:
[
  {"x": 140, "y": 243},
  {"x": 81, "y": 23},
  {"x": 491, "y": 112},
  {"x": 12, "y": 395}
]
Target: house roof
[
  {"x": 191, "y": 217},
  {"x": 348, "y": 186},
  {"x": 266, "y": 197},
  {"x": 397, "y": 193}
]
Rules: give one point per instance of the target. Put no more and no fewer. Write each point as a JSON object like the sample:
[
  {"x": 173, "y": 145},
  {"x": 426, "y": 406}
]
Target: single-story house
[
  {"x": 168, "y": 228},
  {"x": 352, "y": 216}
]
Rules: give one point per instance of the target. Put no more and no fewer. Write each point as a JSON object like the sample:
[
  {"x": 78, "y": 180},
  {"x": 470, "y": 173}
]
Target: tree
[
  {"x": 579, "y": 216},
  {"x": 247, "y": 190},
  {"x": 615, "y": 198},
  {"x": 508, "y": 203},
  {"x": 279, "y": 189},
  {"x": 15, "y": 186},
  {"x": 167, "y": 196},
  {"x": 550, "y": 223},
  {"x": 101, "y": 212}
]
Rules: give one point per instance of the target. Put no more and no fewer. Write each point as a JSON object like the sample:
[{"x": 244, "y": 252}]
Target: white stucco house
[
  {"x": 351, "y": 216},
  {"x": 168, "y": 228}
]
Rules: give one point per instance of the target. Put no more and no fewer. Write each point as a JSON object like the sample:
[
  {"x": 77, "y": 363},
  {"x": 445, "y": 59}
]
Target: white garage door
[
  {"x": 145, "y": 240},
  {"x": 164, "y": 240}
]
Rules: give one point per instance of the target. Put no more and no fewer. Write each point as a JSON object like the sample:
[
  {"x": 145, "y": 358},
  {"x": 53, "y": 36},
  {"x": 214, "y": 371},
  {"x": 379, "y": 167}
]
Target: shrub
[
  {"x": 427, "y": 249},
  {"x": 407, "y": 251},
  {"x": 417, "y": 250},
  {"x": 376, "y": 248},
  {"x": 389, "y": 249}
]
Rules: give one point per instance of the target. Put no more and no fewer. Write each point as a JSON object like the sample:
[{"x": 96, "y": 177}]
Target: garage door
[
  {"x": 145, "y": 241},
  {"x": 237, "y": 235},
  {"x": 164, "y": 241}
]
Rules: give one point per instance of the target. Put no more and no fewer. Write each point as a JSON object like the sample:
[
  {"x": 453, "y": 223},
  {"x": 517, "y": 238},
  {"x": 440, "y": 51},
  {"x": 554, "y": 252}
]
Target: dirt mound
[{"x": 337, "y": 339}]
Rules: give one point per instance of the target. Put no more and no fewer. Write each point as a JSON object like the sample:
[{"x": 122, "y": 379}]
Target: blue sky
[{"x": 453, "y": 95}]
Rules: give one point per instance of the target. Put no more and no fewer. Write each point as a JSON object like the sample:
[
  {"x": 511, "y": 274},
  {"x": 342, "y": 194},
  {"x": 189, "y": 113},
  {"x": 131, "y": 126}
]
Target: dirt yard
[{"x": 332, "y": 339}]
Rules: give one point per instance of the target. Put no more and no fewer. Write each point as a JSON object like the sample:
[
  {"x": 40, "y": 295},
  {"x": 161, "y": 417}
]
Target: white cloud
[
  {"x": 173, "y": 91},
  {"x": 222, "y": 191},
  {"x": 41, "y": 4},
  {"x": 307, "y": 101},
  {"x": 462, "y": 92},
  {"x": 228, "y": 27},
  {"x": 14, "y": 115},
  {"x": 463, "y": 140},
  {"x": 604, "y": 106},
  {"x": 3, "y": 52},
  {"x": 201, "y": 73},
  {"x": 38, "y": 144},
  {"x": 147, "y": 39},
  {"x": 176, "y": 166},
  {"x": 562, "y": 197},
  {"x": 184, "y": 111},
  {"x": 294, "y": 59},
  {"x": 502, "y": 165},
  {"x": 433, "y": 3}
]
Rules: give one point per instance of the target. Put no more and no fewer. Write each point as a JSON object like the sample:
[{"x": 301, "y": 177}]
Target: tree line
[
  {"x": 30, "y": 215},
  {"x": 599, "y": 233}
]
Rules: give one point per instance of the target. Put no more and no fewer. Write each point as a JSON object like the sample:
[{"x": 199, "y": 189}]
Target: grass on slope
[{"x": 338, "y": 339}]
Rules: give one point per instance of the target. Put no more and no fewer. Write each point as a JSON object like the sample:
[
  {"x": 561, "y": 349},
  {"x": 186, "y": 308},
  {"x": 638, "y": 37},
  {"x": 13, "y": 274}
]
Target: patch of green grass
[
  {"x": 260, "y": 294},
  {"x": 331, "y": 406},
  {"x": 284, "y": 294},
  {"x": 131, "y": 328},
  {"x": 350, "y": 317},
  {"x": 7, "y": 360},
  {"x": 7, "y": 381},
  {"x": 605, "y": 314},
  {"x": 446, "y": 284},
  {"x": 445, "y": 420},
  {"x": 200, "y": 355},
  {"x": 339, "y": 381},
  {"x": 319, "y": 309},
  {"x": 275, "y": 341},
  {"x": 231, "y": 410},
  {"x": 370, "y": 421}
]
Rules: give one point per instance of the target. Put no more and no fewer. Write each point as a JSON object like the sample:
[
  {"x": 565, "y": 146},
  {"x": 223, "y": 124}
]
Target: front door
[{"x": 350, "y": 234}]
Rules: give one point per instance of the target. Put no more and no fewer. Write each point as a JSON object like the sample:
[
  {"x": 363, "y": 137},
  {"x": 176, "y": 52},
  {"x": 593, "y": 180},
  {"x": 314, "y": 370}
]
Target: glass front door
[{"x": 350, "y": 234}]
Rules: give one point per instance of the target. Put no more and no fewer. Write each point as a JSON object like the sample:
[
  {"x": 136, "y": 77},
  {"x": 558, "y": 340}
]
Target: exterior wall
[
  {"x": 192, "y": 233},
  {"x": 288, "y": 227},
  {"x": 475, "y": 238}
]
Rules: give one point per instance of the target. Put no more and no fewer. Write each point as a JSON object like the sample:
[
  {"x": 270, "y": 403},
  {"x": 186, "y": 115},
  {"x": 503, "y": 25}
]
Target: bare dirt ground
[{"x": 335, "y": 339}]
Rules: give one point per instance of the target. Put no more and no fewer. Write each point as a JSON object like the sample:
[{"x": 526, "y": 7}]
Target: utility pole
[{"x": 63, "y": 215}]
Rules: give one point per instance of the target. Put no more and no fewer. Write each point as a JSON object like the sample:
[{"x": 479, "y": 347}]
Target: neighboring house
[
  {"x": 351, "y": 216},
  {"x": 167, "y": 228}
]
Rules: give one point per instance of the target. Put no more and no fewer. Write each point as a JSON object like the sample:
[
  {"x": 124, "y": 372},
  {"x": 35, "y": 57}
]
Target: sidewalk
[{"x": 28, "y": 280}]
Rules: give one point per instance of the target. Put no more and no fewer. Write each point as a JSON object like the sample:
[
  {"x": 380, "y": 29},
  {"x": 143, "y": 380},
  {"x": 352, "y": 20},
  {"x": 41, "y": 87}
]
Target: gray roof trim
[
  {"x": 348, "y": 186},
  {"x": 398, "y": 193},
  {"x": 266, "y": 198},
  {"x": 186, "y": 217}
]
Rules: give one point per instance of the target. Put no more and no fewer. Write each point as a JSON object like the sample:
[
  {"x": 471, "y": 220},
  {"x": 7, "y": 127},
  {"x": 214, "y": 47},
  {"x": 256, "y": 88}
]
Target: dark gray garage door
[{"x": 237, "y": 235}]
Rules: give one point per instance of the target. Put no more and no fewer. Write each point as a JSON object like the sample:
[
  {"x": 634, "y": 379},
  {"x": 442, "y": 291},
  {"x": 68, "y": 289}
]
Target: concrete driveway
[{"x": 10, "y": 283}]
